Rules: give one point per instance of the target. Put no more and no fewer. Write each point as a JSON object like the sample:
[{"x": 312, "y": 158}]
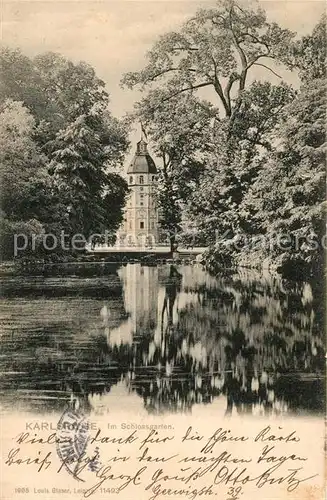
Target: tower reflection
[{"x": 174, "y": 337}]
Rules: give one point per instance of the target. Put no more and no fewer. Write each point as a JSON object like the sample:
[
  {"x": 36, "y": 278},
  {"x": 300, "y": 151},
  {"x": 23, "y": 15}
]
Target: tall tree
[
  {"x": 233, "y": 166},
  {"x": 219, "y": 49},
  {"x": 25, "y": 183},
  {"x": 54, "y": 89},
  {"x": 80, "y": 161},
  {"x": 287, "y": 200},
  {"x": 21, "y": 81},
  {"x": 216, "y": 48},
  {"x": 291, "y": 212},
  {"x": 79, "y": 145},
  {"x": 309, "y": 53}
]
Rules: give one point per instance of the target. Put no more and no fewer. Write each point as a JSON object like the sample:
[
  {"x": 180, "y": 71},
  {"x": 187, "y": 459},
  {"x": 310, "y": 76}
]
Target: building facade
[{"x": 140, "y": 226}]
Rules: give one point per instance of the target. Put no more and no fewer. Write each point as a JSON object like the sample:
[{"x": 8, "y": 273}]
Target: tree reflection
[
  {"x": 235, "y": 337},
  {"x": 177, "y": 337}
]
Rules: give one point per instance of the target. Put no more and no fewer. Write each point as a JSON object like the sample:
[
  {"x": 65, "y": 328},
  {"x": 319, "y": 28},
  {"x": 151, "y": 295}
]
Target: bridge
[{"x": 136, "y": 252}]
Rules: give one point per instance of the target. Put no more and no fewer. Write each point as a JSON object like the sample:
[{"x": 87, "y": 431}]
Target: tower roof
[{"x": 142, "y": 162}]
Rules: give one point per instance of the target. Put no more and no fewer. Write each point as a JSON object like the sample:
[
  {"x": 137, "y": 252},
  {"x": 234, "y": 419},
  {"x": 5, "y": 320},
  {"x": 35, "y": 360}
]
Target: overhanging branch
[
  {"x": 267, "y": 67},
  {"x": 192, "y": 87},
  {"x": 163, "y": 72}
]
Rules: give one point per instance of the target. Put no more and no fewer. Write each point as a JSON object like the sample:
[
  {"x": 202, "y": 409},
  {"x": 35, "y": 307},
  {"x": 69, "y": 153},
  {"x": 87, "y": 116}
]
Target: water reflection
[{"x": 172, "y": 335}]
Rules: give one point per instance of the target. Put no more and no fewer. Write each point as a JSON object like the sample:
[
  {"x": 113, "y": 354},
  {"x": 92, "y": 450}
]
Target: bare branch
[
  {"x": 192, "y": 87},
  {"x": 267, "y": 67},
  {"x": 260, "y": 56},
  {"x": 240, "y": 8},
  {"x": 227, "y": 91},
  {"x": 184, "y": 48},
  {"x": 219, "y": 90},
  {"x": 236, "y": 42},
  {"x": 257, "y": 40},
  {"x": 160, "y": 73},
  {"x": 217, "y": 16},
  {"x": 242, "y": 55}
]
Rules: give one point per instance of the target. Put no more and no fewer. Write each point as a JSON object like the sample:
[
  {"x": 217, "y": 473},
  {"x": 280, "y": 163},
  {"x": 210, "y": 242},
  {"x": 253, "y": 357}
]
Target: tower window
[
  {"x": 141, "y": 188},
  {"x": 141, "y": 179},
  {"x": 131, "y": 179},
  {"x": 141, "y": 199},
  {"x": 142, "y": 225},
  {"x": 153, "y": 177}
]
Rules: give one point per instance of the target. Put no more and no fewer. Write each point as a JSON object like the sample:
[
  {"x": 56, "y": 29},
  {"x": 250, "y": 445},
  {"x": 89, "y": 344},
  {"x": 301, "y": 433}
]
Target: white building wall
[{"x": 141, "y": 216}]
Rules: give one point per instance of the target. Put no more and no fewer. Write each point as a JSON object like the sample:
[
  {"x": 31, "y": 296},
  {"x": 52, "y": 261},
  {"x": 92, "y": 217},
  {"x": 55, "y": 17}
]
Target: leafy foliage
[
  {"x": 309, "y": 53},
  {"x": 216, "y": 48},
  {"x": 61, "y": 146},
  {"x": 79, "y": 154},
  {"x": 233, "y": 164},
  {"x": 293, "y": 179},
  {"x": 258, "y": 167}
]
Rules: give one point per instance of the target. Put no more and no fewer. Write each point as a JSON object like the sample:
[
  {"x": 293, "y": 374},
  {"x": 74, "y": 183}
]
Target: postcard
[{"x": 163, "y": 236}]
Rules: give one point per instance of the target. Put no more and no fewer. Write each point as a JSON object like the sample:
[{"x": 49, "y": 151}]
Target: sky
[{"x": 114, "y": 36}]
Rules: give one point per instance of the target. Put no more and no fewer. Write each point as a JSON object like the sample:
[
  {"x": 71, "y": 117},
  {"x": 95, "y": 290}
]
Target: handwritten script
[{"x": 158, "y": 464}]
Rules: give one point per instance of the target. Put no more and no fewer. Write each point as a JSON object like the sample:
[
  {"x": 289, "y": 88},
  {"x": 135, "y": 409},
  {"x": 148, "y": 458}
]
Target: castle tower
[{"x": 141, "y": 217}]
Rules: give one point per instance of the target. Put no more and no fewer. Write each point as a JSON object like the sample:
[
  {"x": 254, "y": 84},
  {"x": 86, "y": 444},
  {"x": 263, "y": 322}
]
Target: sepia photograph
[{"x": 163, "y": 238}]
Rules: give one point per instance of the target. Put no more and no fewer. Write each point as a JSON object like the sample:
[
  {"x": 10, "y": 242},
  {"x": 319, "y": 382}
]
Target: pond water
[{"x": 163, "y": 338}]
